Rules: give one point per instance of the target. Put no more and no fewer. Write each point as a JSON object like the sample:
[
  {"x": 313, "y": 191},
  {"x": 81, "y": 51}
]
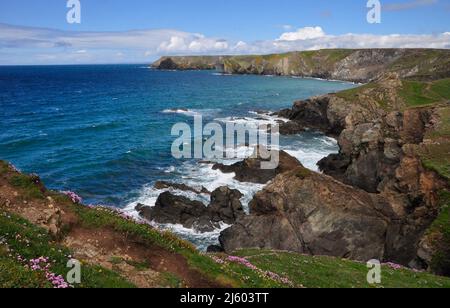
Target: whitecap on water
[
  {"x": 308, "y": 148},
  {"x": 193, "y": 112}
]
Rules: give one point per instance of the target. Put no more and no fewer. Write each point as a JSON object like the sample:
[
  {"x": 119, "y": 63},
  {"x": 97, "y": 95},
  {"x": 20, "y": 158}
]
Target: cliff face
[
  {"x": 362, "y": 65},
  {"x": 394, "y": 156}
]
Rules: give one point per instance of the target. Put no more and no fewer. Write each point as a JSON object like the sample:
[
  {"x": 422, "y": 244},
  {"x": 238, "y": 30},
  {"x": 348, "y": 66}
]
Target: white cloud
[
  {"x": 26, "y": 45},
  {"x": 192, "y": 43},
  {"x": 306, "y": 33}
]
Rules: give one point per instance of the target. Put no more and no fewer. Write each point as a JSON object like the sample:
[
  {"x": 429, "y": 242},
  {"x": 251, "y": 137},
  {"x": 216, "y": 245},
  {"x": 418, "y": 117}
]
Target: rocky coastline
[
  {"x": 381, "y": 195},
  {"x": 355, "y": 65}
]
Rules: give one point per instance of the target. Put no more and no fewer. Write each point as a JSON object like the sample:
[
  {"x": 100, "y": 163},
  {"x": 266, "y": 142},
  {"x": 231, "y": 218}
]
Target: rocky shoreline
[{"x": 378, "y": 198}]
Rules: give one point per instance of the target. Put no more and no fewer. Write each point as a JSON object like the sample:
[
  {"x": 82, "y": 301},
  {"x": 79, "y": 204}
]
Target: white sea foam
[
  {"x": 260, "y": 119},
  {"x": 196, "y": 175},
  {"x": 221, "y": 74},
  {"x": 187, "y": 112},
  {"x": 192, "y": 112},
  {"x": 308, "y": 148}
]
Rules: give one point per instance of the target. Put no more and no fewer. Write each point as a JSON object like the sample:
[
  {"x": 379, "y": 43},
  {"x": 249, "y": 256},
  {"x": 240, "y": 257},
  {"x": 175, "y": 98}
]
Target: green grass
[
  {"x": 30, "y": 189},
  {"x": 336, "y": 55},
  {"x": 4, "y": 167},
  {"x": 435, "y": 154},
  {"x": 439, "y": 233},
  {"x": 30, "y": 242},
  {"x": 417, "y": 93},
  {"x": 171, "y": 280},
  {"x": 413, "y": 93},
  {"x": 327, "y": 272},
  {"x": 15, "y": 275},
  {"x": 353, "y": 95},
  {"x": 442, "y": 88}
]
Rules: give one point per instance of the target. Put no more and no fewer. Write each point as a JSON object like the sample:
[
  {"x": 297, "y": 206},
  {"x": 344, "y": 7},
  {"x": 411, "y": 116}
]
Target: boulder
[
  {"x": 172, "y": 209},
  {"x": 249, "y": 170},
  {"x": 226, "y": 205},
  {"x": 214, "y": 249},
  {"x": 310, "y": 213}
]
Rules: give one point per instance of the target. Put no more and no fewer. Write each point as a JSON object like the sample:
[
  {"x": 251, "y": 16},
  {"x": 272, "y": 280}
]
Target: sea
[{"x": 104, "y": 131}]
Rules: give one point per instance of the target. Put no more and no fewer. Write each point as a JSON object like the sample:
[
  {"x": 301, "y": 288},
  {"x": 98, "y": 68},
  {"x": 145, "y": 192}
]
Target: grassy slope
[
  {"x": 24, "y": 240},
  {"x": 439, "y": 233},
  {"x": 327, "y": 272},
  {"x": 412, "y": 94}
]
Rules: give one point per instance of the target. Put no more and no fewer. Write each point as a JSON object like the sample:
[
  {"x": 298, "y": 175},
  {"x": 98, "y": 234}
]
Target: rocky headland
[
  {"x": 385, "y": 195},
  {"x": 356, "y": 65}
]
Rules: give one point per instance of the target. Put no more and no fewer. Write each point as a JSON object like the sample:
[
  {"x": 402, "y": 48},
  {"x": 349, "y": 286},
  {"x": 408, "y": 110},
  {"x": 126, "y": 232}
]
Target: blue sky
[{"x": 224, "y": 26}]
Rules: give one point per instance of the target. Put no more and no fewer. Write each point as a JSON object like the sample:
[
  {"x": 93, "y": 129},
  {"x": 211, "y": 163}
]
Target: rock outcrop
[
  {"x": 225, "y": 207},
  {"x": 310, "y": 213},
  {"x": 387, "y": 180},
  {"x": 382, "y": 143},
  {"x": 190, "y": 63},
  {"x": 249, "y": 170}
]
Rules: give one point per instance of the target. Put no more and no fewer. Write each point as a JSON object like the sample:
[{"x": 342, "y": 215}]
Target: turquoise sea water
[{"x": 104, "y": 131}]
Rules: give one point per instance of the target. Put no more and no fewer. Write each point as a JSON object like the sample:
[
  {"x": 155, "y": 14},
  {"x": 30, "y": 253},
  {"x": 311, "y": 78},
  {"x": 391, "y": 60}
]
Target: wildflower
[
  {"x": 265, "y": 274},
  {"x": 394, "y": 266},
  {"x": 73, "y": 196},
  {"x": 217, "y": 260}
]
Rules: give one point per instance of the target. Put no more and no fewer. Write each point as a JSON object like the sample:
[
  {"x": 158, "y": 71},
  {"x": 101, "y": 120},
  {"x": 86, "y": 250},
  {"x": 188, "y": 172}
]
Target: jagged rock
[
  {"x": 183, "y": 187},
  {"x": 335, "y": 165},
  {"x": 250, "y": 169},
  {"x": 214, "y": 249},
  {"x": 291, "y": 128},
  {"x": 172, "y": 209},
  {"x": 226, "y": 205},
  {"x": 311, "y": 213}
]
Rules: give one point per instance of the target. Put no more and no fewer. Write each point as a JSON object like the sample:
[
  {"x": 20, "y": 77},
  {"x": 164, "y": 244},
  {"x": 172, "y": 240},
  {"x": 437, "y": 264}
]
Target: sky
[{"x": 139, "y": 31}]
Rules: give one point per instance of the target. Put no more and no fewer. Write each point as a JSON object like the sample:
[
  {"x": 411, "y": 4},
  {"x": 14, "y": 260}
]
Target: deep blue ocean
[{"x": 104, "y": 131}]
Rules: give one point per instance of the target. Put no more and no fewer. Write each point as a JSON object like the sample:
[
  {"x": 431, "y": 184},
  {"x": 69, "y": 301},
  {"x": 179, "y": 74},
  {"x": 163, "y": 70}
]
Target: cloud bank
[{"x": 27, "y": 45}]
